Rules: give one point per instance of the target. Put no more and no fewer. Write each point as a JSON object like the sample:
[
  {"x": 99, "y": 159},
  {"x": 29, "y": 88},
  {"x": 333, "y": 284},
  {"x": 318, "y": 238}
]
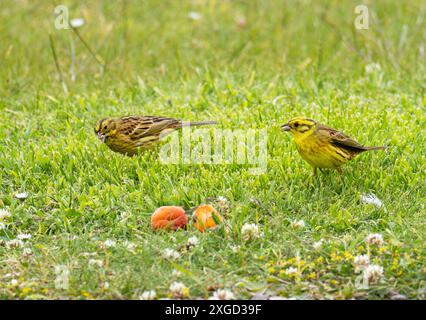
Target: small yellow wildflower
[
  {"x": 335, "y": 258},
  {"x": 186, "y": 292},
  {"x": 271, "y": 270},
  {"x": 26, "y": 290},
  {"x": 87, "y": 295},
  {"x": 312, "y": 275},
  {"x": 383, "y": 249},
  {"x": 347, "y": 255}
]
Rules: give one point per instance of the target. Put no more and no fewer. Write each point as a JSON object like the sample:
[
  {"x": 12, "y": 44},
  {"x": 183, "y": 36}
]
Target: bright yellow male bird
[
  {"x": 129, "y": 135},
  {"x": 322, "y": 146}
]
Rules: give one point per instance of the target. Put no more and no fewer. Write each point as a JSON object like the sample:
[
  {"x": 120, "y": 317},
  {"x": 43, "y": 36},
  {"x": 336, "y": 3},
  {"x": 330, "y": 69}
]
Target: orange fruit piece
[
  {"x": 205, "y": 217},
  {"x": 169, "y": 218}
]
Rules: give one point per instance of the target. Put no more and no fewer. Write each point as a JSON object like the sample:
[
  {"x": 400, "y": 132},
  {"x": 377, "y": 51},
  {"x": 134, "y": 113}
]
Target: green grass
[{"x": 292, "y": 58}]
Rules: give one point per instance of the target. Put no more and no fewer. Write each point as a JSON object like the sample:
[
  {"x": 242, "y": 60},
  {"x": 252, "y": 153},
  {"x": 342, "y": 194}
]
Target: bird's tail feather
[
  {"x": 375, "y": 148},
  {"x": 197, "y": 123}
]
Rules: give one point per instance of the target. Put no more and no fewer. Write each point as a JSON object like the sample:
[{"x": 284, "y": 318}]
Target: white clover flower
[
  {"x": 110, "y": 243},
  {"x": 318, "y": 244},
  {"x": 373, "y": 273},
  {"x": 361, "y": 262},
  {"x": 250, "y": 231},
  {"x": 2, "y": 226},
  {"x": 24, "y": 236},
  {"x": 21, "y": 196},
  {"x": 194, "y": 15},
  {"x": 14, "y": 282},
  {"x": 179, "y": 290},
  {"x": 96, "y": 262},
  {"x": 222, "y": 294},
  {"x": 193, "y": 241},
  {"x": 4, "y": 214},
  {"x": 14, "y": 243},
  {"x": 148, "y": 295},
  {"x": 77, "y": 23},
  {"x": 291, "y": 271},
  {"x": 374, "y": 238},
  {"x": 298, "y": 224},
  {"x": 170, "y": 254}
]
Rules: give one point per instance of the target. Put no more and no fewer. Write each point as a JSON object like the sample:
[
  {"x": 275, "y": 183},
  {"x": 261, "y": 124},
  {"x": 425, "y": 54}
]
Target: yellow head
[
  {"x": 105, "y": 128},
  {"x": 300, "y": 126}
]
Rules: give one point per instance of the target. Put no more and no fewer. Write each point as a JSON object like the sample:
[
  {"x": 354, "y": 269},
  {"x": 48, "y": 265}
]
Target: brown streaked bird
[
  {"x": 322, "y": 146},
  {"x": 129, "y": 135}
]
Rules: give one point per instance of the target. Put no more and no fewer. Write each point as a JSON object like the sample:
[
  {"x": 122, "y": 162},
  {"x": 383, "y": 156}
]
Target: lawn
[{"x": 75, "y": 216}]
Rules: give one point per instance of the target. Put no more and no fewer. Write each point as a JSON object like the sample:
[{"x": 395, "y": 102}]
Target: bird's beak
[
  {"x": 101, "y": 137},
  {"x": 285, "y": 127}
]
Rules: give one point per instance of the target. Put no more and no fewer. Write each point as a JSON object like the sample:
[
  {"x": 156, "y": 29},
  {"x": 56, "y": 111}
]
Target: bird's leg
[
  {"x": 314, "y": 171},
  {"x": 339, "y": 170}
]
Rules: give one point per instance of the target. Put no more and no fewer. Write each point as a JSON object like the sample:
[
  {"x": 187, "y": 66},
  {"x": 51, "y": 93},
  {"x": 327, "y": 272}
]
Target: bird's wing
[
  {"x": 140, "y": 127},
  {"x": 339, "y": 138}
]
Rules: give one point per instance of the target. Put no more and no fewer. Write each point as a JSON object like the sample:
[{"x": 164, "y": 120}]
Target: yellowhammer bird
[
  {"x": 322, "y": 146},
  {"x": 129, "y": 135}
]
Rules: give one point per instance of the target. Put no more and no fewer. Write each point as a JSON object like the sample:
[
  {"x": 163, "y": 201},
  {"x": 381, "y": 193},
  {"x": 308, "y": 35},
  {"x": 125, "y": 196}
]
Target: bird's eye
[{"x": 296, "y": 124}]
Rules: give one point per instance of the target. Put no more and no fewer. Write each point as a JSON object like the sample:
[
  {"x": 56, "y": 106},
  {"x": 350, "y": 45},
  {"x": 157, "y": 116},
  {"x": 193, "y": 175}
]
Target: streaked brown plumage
[
  {"x": 129, "y": 135},
  {"x": 322, "y": 146}
]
